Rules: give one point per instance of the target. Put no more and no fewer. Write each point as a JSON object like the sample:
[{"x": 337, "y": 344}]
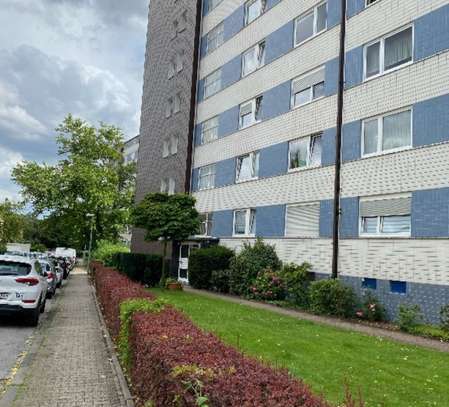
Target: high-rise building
[{"x": 266, "y": 133}]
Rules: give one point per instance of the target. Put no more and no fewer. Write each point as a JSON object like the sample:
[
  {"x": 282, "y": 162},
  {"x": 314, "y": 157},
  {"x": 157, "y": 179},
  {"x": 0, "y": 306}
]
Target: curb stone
[{"x": 120, "y": 377}]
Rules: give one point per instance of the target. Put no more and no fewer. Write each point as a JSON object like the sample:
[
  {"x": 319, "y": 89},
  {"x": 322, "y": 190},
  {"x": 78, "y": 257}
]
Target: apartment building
[{"x": 265, "y": 137}]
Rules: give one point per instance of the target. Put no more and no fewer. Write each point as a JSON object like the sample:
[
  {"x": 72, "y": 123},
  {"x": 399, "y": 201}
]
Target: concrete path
[
  {"x": 70, "y": 364},
  {"x": 337, "y": 323}
]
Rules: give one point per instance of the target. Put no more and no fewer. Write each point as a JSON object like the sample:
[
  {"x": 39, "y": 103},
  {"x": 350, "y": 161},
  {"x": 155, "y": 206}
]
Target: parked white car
[{"x": 23, "y": 287}]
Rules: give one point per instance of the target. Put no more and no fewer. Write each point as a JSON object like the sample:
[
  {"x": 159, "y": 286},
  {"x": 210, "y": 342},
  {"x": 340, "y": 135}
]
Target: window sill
[
  {"x": 245, "y": 236},
  {"x": 386, "y": 152},
  {"x": 246, "y": 180},
  {"x": 300, "y": 169},
  {"x": 397, "y": 68},
  {"x": 250, "y": 125},
  {"x": 294, "y": 107},
  {"x": 385, "y": 236}
]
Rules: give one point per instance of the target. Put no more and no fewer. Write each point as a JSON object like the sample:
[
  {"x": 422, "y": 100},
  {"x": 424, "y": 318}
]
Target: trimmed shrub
[
  {"x": 219, "y": 280},
  {"x": 176, "y": 363},
  {"x": 106, "y": 252},
  {"x": 127, "y": 309},
  {"x": 332, "y": 297},
  {"x": 444, "y": 318},
  {"x": 203, "y": 261},
  {"x": 371, "y": 309},
  {"x": 112, "y": 289},
  {"x": 153, "y": 269},
  {"x": 297, "y": 281},
  {"x": 409, "y": 317},
  {"x": 268, "y": 286},
  {"x": 144, "y": 268},
  {"x": 246, "y": 266}
]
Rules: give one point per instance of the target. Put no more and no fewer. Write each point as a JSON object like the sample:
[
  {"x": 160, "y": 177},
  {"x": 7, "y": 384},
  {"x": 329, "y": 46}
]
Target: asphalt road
[{"x": 14, "y": 335}]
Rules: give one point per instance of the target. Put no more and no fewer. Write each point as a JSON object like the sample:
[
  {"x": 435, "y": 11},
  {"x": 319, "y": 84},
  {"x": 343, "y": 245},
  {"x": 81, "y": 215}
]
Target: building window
[
  {"x": 244, "y": 222},
  {"x": 215, "y": 38},
  {"x": 179, "y": 63},
  {"x": 213, "y": 3},
  {"x": 254, "y": 9},
  {"x": 171, "y": 69},
  {"x": 209, "y": 130},
  {"x": 311, "y": 24},
  {"x": 250, "y": 112},
  {"x": 385, "y": 216},
  {"x": 305, "y": 152},
  {"x": 212, "y": 83},
  {"x": 169, "y": 108},
  {"x": 369, "y": 2},
  {"x": 247, "y": 167},
  {"x": 303, "y": 220},
  {"x": 387, "y": 133},
  {"x": 398, "y": 287},
  {"x": 177, "y": 103},
  {"x": 388, "y": 53},
  {"x": 369, "y": 283},
  {"x": 174, "y": 29},
  {"x": 168, "y": 186},
  {"x": 170, "y": 146},
  {"x": 206, "y": 177},
  {"x": 308, "y": 88},
  {"x": 206, "y": 224},
  {"x": 182, "y": 21},
  {"x": 253, "y": 59}
]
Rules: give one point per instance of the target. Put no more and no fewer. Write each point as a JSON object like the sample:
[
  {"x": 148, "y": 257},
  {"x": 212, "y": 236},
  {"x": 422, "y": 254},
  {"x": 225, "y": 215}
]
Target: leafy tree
[
  {"x": 90, "y": 177},
  {"x": 11, "y": 223},
  {"x": 167, "y": 218}
]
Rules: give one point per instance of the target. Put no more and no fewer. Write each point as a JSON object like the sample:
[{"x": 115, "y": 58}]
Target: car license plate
[{"x": 4, "y": 296}]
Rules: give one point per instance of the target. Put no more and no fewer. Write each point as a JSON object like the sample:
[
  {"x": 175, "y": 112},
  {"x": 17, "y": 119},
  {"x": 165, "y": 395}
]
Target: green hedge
[
  {"x": 106, "y": 251},
  {"x": 203, "y": 261},
  {"x": 144, "y": 268}
]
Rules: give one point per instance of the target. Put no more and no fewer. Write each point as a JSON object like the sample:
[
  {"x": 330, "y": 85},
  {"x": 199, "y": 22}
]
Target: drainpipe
[
  {"x": 337, "y": 182},
  {"x": 193, "y": 92}
]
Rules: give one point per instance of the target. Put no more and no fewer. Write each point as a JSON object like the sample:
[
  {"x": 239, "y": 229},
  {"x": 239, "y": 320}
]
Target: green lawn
[{"x": 387, "y": 373}]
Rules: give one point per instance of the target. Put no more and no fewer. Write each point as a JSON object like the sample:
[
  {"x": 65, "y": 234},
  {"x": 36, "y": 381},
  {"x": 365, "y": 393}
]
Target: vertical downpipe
[
  {"x": 337, "y": 182},
  {"x": 195, "y": 66}
]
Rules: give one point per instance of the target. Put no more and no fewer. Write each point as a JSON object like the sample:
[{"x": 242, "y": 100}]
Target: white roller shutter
[{"x": 303, "y": 220}]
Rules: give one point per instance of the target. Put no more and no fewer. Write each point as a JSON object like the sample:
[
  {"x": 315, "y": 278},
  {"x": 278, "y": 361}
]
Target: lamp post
[{"x": 91, "y": 217}]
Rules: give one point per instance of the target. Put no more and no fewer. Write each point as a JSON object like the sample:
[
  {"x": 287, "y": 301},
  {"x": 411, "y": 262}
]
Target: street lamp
[{"x": 91, "y": 217}]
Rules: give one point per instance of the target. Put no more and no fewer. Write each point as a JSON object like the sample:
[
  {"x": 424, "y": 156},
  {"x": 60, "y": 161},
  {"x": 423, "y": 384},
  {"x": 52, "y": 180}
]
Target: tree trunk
[{"x": 164, "y": 271}]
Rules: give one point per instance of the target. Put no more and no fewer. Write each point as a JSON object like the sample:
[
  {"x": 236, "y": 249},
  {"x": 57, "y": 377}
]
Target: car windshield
[{"x": 13, "y": 268}]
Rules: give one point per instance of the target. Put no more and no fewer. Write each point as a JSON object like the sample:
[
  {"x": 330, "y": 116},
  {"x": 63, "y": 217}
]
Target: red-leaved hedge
[
  {"x": 112, "y": 289},
  {"x": 176, "y": 363}
]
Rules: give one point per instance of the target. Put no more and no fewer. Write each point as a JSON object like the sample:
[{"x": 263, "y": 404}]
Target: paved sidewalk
[
  {"x": 338, "y": 323},
  {"x": 71, "y": 366}
]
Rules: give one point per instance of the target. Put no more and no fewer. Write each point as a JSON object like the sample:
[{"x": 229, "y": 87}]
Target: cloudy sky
[{"x": 59, "y": 56}]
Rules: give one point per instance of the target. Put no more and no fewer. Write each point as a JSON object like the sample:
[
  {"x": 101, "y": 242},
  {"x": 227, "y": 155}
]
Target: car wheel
[
  {"x": 33, "y": 316},
  {"x": 42, "y": 308},
  {"x": 50, "y": 294}
]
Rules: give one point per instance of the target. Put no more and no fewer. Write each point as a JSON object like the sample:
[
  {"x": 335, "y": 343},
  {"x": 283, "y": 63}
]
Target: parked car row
[{"x": 27, "y": 280}]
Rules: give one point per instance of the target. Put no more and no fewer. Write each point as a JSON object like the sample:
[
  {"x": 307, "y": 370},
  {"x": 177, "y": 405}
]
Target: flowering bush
[
  {"x": 332, "y": 297},
  {"x": 371, "y": 309},
  {"x": 268, "y": 286},
  {"x": 297, "y": 281}
]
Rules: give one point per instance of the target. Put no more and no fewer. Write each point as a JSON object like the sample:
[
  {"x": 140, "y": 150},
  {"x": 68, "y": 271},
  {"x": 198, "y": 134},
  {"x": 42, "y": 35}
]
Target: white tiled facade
[{"x": 419, "y": 259}]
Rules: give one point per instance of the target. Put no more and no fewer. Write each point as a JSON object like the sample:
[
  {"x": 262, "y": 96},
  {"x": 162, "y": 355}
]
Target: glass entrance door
[{"x": 184, "y": 252}]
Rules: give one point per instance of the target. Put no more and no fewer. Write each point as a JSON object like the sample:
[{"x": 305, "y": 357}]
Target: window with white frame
[
  {"x": 311, "y": 23},
  {"x": 250, "y": 112},
  {"x": 165, "y": 148},
  {"x": 174, "y": 144},
  {"x": 182, "y": 21},
  {"x": 388, "y": 53},
  {"x": 244, "y": 222},
  {"x": 177, "y": 103},
  {"x": 175, "y": 26},
  {"x": 303, "y": 220},
  {"x": 170, "y": 146},
  {"x": 387, "y": 133},
  {"x": 169, "y": 107},
  {"x": 171, "y": 186},
  {"x": 213, "y": 3},
  {"x": 179, "y": 63},
  {"x": 247, "y": 167},
  {"x": 206, "y": 220},
  {"x": 305, "y": 152},
  {"x": 171, "y": 69},
  {"x": 206, "y": 177},
  {"x": 212, "y": 83},
  {"x": 209, "y": 130},
  {"x": 254, "y": 9},
  {"x": 386, "y": 216},
  {"x": 215, "y": 37},
  {"x": 253, "y": 59},
  {"x": 308, "y": 87}
]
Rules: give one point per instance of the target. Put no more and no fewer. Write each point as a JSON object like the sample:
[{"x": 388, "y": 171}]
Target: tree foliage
[
  {"x": 11, "y": 223},
  {"x": 90, "y": 177},
  {"x": 166, "y": 217}
]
